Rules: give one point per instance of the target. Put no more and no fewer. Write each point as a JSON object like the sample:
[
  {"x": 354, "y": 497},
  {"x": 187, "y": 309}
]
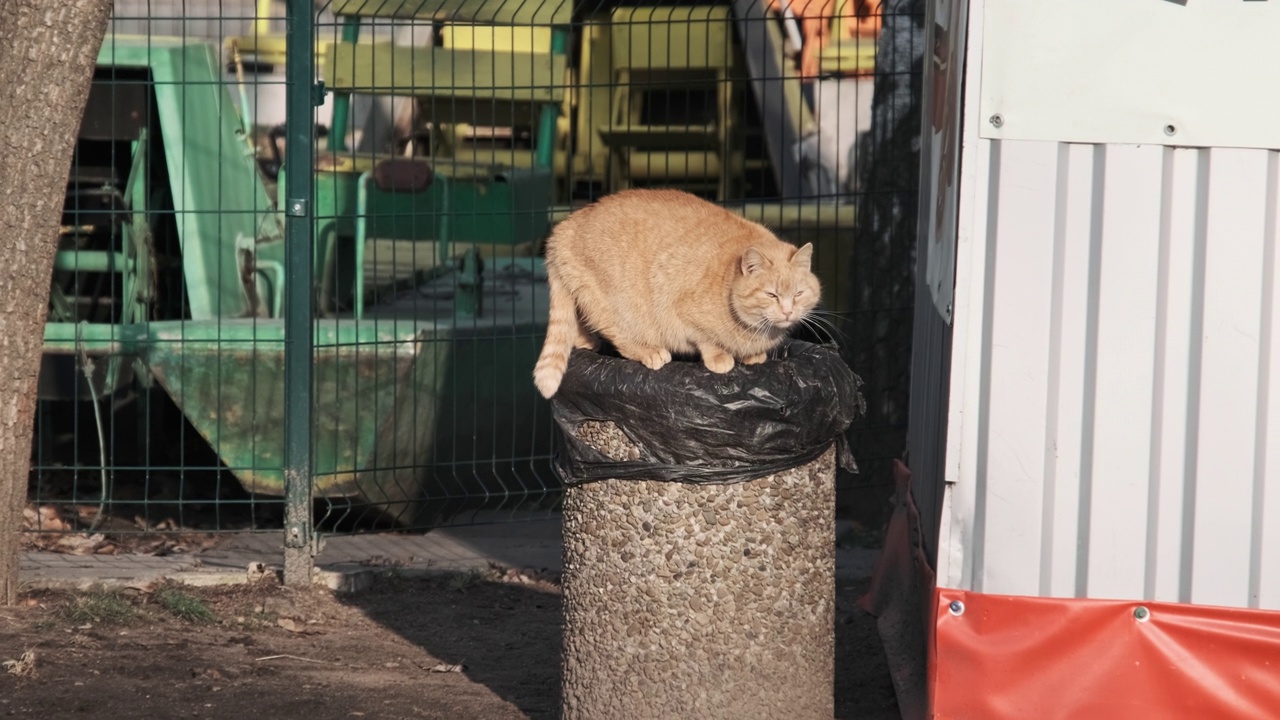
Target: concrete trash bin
[{"x": 706, "y": 590}]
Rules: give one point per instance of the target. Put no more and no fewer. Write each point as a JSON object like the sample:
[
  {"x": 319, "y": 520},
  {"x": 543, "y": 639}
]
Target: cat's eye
[
  {"x": 772, "y": 295},
  {"x": 799, "y": 293}
]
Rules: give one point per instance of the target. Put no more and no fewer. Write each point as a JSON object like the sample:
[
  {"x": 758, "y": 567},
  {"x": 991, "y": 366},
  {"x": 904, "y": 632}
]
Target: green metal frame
[
  {"x": 376, "y": 208},
  {"x": 206, "y": 173}
]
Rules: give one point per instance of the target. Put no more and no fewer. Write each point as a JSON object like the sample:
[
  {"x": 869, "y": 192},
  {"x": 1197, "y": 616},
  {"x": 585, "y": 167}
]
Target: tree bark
[{"x": 47, "y": 54}]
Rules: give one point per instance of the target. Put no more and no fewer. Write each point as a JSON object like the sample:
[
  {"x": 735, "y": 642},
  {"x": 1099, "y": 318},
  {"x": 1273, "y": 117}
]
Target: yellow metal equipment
[{"x": 669, "y": 63}]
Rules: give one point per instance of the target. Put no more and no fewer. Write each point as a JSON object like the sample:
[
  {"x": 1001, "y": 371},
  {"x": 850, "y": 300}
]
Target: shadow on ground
[{"x": 507, "y": 637}]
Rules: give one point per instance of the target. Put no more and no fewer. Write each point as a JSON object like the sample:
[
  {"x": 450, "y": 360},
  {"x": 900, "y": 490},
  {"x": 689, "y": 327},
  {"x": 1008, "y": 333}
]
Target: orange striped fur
[{"x": 662, "y": 272}]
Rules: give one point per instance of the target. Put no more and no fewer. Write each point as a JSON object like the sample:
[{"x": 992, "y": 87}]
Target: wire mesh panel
[
  {"x": 449, "y": 137},
  {"x": 434, "y": 187},
  {"x": 159, "y": 299}
]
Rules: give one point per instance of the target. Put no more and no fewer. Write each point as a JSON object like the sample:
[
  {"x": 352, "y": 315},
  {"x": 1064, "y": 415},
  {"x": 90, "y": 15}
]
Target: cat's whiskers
[
  {"x": 824, "y": 314},
  {"x": 762, "y": 329},
  {"x": 822, "y": 327}
]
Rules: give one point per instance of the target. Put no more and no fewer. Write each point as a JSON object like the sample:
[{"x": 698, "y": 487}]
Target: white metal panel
[
  {"x": 1265, "y": 567},
  {"x": 1011, "y": 433},
  {"x": 1132, "y": 71},
  {"x": 1073, "y": 241},
  {"x": 1177, "y": 270},
  {"x": 1223, "y": 434},
  {"x": 1122, "y": 424},
  {"x": 1128, "y": 445},
  {"x": 1118, "y": 355},
  {"x": 955, "y": 544}
]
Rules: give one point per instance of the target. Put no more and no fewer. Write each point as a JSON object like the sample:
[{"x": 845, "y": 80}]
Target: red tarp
[{"x": 1046, "y": 658}]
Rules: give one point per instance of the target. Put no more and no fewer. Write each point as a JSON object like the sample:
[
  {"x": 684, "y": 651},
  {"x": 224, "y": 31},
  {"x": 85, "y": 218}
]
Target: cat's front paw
[
  {"x": 755, "y": 359},
  {"x": 718, "y": 362},
  {"x": 655, "y": 359}
]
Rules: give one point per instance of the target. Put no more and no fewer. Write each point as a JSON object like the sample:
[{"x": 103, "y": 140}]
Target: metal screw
[
  {"x": 1141, "y": 614},
  {"x": 296, "y": 208},
  {"x": 1170, "y": 130},
  {"x": 956, "y": 607},
  {"x": 997, "y": 120}
]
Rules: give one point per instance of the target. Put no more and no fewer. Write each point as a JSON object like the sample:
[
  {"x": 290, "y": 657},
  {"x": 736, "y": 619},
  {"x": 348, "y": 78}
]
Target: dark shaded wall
[{"x": 878, "y": 328}]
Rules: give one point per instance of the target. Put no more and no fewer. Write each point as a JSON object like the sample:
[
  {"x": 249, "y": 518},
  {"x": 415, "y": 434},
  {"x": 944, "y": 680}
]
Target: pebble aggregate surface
[{"x": 706, "y": 601}]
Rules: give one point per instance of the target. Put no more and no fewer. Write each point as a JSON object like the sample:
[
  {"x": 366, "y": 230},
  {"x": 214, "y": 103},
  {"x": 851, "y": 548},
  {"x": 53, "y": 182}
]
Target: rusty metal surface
[{"x": 373, "y": 401}]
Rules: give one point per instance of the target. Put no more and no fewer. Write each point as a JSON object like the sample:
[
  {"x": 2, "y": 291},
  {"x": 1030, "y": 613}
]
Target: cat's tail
[{"x": 562, "y": 330}]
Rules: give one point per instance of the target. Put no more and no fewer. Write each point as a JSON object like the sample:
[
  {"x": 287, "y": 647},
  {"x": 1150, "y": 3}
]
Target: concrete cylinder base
[{"x": 699, "y": 601}]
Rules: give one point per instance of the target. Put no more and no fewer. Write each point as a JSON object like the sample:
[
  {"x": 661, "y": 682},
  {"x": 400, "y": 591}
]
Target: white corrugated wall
[{"x": 1114, "y": 422}]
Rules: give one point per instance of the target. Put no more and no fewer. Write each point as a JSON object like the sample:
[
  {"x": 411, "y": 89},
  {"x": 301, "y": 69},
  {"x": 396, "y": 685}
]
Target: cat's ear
[
  {"x": 803, "y": 257},
  {"x": 752, "y": 261}
]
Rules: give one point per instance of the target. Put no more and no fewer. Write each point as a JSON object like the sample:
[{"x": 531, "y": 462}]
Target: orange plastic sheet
[
  {"x": 817, "y": 18},
  {"x": 900, "y": 597},
  {"x": 997, "y": 656}
]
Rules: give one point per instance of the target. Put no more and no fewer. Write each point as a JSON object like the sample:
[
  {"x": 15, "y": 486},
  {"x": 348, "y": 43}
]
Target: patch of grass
[
  {"x": 263, "y": 618},
  {"x": 101, "y": 607},
  {"x": 24, "y": 666},
  {"x": 184, "y": 605},
  {"x": 465, "y": 579}
]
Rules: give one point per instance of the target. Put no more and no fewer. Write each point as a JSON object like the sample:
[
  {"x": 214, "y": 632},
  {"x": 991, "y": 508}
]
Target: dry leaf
[
  {"x": 24, "y": 666},
  {"x": 447, "y": 668},
  {"x": 256, "y": 571}
]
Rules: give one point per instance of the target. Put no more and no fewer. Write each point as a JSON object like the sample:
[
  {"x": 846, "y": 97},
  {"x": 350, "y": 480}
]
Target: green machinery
[{"x": 170, "y": 274}]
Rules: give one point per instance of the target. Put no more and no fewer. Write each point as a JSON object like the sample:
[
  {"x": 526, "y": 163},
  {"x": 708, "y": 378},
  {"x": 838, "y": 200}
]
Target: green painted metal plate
[
  {"x": 217, "y": 194},
  {"x": 376, "y": 386}
]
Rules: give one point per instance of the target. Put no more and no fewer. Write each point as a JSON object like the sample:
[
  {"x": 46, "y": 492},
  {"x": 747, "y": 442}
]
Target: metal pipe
[
  {"x": 362, "y": 234},
  {"x": 92, "y": 261},
  {"x": 341, "y": 101},
  {"x": 299, "y": 341}
]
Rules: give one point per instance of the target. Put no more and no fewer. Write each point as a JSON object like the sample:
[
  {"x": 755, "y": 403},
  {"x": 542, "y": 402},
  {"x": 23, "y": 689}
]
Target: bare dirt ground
[{"x": 457, "y": 646}]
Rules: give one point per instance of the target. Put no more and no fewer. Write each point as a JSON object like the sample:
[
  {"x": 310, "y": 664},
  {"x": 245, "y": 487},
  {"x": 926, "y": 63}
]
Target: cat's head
[{"x": 774, "y": 287}]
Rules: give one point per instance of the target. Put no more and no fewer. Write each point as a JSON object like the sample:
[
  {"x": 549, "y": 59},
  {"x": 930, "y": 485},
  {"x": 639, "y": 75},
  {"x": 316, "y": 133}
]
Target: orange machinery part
[
  {"x": 999, "y": 656},
  {"x": 816, "y": 17}
]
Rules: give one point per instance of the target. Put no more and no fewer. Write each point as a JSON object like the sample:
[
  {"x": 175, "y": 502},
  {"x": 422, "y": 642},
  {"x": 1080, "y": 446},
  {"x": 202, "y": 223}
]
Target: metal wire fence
[{"x": 379, "y": 176}]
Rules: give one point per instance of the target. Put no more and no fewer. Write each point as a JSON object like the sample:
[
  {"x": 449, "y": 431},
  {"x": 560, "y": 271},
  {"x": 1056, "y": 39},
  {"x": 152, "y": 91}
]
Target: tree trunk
[{"x": 47, "y": 54}]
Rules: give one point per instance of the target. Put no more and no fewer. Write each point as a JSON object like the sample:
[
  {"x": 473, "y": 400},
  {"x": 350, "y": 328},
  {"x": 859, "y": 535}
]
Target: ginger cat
[{"x": 658, "y": 272}]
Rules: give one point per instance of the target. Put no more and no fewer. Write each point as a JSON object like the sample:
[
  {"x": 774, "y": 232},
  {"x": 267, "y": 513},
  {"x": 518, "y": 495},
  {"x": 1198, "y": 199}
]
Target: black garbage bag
[{"x": 693, "y": 425}]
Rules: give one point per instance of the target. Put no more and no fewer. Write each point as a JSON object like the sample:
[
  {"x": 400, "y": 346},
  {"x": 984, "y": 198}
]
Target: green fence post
[
  {"x": 545, "y": 147},
  {"x": 300, "y": 79}
]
